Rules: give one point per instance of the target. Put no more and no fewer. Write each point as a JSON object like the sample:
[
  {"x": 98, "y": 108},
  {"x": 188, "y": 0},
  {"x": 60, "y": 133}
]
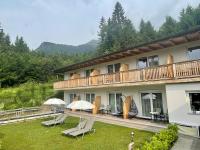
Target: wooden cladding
[{"x": 164, "y": 72}]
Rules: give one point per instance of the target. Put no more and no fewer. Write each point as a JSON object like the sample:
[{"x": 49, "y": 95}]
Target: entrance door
[{"x": 151, "y": 102}]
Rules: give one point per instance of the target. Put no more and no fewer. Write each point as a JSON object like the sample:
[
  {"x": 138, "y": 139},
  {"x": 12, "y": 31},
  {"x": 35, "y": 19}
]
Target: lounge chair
[
  {"x": 80, "y": 126},
  {"x": 60, "y": 119},
  {"x": 86, "y": 129}
]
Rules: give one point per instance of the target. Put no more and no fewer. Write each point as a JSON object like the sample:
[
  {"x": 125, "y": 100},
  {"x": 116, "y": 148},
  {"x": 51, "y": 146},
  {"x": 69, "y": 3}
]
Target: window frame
[
  {"x": 113, "y": 68},
  {"x": 189, "y": 101},
  {"x": 90, "y": 97},
  {"x": 147, "y": 58},
  {"x": 89, "y": 71},
  {"x": 191, "y": 49}
]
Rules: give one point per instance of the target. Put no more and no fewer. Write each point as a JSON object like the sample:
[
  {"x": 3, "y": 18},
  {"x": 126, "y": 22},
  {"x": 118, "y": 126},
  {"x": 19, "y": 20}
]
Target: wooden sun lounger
[
  {"x": 60, "y": 119},
  {"x": 86, "y": 129},
  {"x": 80, "y": 126}
]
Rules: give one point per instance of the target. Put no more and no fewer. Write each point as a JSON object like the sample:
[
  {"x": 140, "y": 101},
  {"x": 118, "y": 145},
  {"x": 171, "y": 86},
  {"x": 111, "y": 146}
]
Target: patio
[{"x": 142, "y": 124}]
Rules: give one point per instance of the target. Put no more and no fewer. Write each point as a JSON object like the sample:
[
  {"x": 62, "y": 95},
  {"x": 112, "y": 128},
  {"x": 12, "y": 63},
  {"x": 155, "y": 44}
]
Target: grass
[{"x": 31, "y": 135}]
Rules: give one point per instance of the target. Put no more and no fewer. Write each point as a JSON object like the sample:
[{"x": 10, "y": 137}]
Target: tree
[
  {"x": 117, "y": 33},
  {"x": 20, "y": 45},
  {"x": 147, "y": 32},
  {"x": 168, "y": 27}
]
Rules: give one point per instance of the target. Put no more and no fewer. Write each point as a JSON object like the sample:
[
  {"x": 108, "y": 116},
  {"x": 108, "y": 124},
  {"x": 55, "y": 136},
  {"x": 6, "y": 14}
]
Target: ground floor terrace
[{"x": 176, "y": 103}]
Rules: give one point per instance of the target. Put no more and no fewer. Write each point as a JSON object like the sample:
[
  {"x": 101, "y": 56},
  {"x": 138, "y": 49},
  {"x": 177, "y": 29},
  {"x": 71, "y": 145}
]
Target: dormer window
[{"x": 194, "y": 53}]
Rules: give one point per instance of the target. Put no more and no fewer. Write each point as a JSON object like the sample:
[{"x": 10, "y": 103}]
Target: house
[{"x": 162, "y": 76}]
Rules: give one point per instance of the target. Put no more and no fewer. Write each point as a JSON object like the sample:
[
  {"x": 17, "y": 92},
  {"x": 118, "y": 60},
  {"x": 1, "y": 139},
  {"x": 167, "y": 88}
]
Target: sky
[{"x": 75, "y": 22}]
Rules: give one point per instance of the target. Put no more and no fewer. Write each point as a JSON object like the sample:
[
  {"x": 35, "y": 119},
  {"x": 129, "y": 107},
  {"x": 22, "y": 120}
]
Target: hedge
[{"x": 163, "y": 140}]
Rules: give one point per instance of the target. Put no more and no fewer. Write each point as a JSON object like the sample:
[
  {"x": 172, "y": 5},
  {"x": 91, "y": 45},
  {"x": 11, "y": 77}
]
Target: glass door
[
  {"x": 115, "y": 101},
  {"x": 119, "y": 103},
  {"x": 151, "y": 102},
  {"x": 146, "y": 104},
  {"x": 112, "y": 102},
  {"x": 157, "y": 102},
  {"x": 117, "y": 72}
]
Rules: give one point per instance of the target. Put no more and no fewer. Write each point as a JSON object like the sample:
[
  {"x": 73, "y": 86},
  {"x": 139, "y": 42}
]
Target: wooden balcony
[{"x": 169, "y": 73}]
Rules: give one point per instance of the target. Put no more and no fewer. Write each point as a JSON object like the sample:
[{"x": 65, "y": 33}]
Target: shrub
[
  {"x": 163, "y": 140},
  {"x": 0, "y": 145}
]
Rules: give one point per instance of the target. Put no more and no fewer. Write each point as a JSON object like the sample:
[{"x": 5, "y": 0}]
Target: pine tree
[
  {"x": 20, "y": 45},
  {"x": 147, "y": 32},
  {"x": 117, "y": 33},
  {"x": 168, "y": 27}
]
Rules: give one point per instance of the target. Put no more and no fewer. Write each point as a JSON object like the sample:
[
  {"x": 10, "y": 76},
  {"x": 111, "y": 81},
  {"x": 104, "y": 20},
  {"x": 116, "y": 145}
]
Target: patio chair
[
  {"x": 133, "y": 111},
  {"x": 59, "y": 120},
  {"x": 80, "y": 126},
  {"x": 86, "y": 129}
]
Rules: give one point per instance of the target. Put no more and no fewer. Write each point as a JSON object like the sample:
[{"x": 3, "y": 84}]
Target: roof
[{"x": 176, "y": 39}]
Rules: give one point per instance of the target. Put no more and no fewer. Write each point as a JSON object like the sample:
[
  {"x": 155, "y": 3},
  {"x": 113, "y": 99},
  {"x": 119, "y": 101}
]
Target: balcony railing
[{"x": 164, "y": 72}]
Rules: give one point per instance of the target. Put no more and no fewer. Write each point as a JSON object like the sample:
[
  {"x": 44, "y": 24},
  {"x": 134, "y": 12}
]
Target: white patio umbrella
[
  {"x": 81, "y": 105},
  {"x": 54, "y": 101},
  {"x": 149, "y": 96}
]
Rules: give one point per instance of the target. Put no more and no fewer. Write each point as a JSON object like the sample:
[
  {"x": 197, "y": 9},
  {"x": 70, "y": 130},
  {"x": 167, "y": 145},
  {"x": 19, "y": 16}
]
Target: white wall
[
  {"x": 179, "y": 53},
  {"x": 179, "y": 105},
  {"x": 127, "y": 91}
]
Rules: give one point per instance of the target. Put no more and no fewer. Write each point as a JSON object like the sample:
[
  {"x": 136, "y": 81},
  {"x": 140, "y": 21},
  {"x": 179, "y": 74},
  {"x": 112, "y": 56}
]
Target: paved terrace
[{"x": 141, "y": 124}]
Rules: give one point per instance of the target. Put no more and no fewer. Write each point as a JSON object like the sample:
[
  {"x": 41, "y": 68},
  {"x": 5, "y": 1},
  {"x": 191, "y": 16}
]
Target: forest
[{"x": 22, "y": 67}]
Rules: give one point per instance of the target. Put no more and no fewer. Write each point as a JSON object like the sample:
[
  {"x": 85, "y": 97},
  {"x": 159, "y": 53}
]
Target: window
[
  {"x": 194, "y": 101},
  {"x": 115, "y": 102},
  {"x": 71, "y": 97},
  {"x": 90, "y": 97},
  {"x": 88, "y": 72},
  {"x": 153, "y": 61},
  {"x": 71, "y": 74},
  {"x": 142, "y": 62},
  {"x": 194, "y": 53},
  {"x": 114, "y": 68},
  {"x": 150, "y": 61}
]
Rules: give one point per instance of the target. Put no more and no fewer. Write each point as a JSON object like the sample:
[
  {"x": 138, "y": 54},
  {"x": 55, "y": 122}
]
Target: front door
[{"x": 151, "y": 102}]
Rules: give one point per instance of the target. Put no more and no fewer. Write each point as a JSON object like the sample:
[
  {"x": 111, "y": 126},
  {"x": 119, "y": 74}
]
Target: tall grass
[{"x": 26, "y": 95}]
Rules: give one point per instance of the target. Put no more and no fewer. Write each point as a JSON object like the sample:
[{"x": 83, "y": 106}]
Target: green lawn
[{"x": 30, "y": 135}]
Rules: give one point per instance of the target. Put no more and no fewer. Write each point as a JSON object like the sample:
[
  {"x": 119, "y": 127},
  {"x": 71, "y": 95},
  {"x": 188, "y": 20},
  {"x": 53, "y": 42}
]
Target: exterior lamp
[{"x": 132, "y": 135}]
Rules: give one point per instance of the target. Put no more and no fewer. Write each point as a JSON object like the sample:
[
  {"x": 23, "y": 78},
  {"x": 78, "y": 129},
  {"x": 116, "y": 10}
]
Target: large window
[
  {"x": 88, "y": 72},
  {"x": 114, "y": 68},
  {"x": 115, "y": 102},
  {"x": 150, "y": 61},
  {"x": 90, "y": 97},
  {"x": 194, "y": 53},
  {"x": 194, "y": 101}
]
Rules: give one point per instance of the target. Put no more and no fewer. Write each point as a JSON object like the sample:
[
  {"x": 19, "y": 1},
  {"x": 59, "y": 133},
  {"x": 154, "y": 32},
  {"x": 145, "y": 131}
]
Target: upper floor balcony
[{"x": 186, "y": 71}]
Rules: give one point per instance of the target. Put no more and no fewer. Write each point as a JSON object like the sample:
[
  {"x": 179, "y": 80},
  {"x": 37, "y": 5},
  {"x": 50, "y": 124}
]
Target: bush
[
  {"x": 163, "y": 140},
  {"x": 0, "y": 145}
]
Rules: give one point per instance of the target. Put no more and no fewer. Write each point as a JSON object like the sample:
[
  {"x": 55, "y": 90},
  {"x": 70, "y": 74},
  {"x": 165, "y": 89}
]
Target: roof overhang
[{"x": 176, "y": 39}]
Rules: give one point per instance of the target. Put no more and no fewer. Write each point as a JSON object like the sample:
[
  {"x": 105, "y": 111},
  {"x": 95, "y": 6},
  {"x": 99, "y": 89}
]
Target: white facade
[
  {"x": 179, "y": 107},
  {"x": 175, "y": 99}
]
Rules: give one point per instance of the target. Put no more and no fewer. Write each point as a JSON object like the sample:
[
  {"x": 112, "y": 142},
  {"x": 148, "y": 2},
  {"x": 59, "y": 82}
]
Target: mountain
[{"x": 52, "y": 48}]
